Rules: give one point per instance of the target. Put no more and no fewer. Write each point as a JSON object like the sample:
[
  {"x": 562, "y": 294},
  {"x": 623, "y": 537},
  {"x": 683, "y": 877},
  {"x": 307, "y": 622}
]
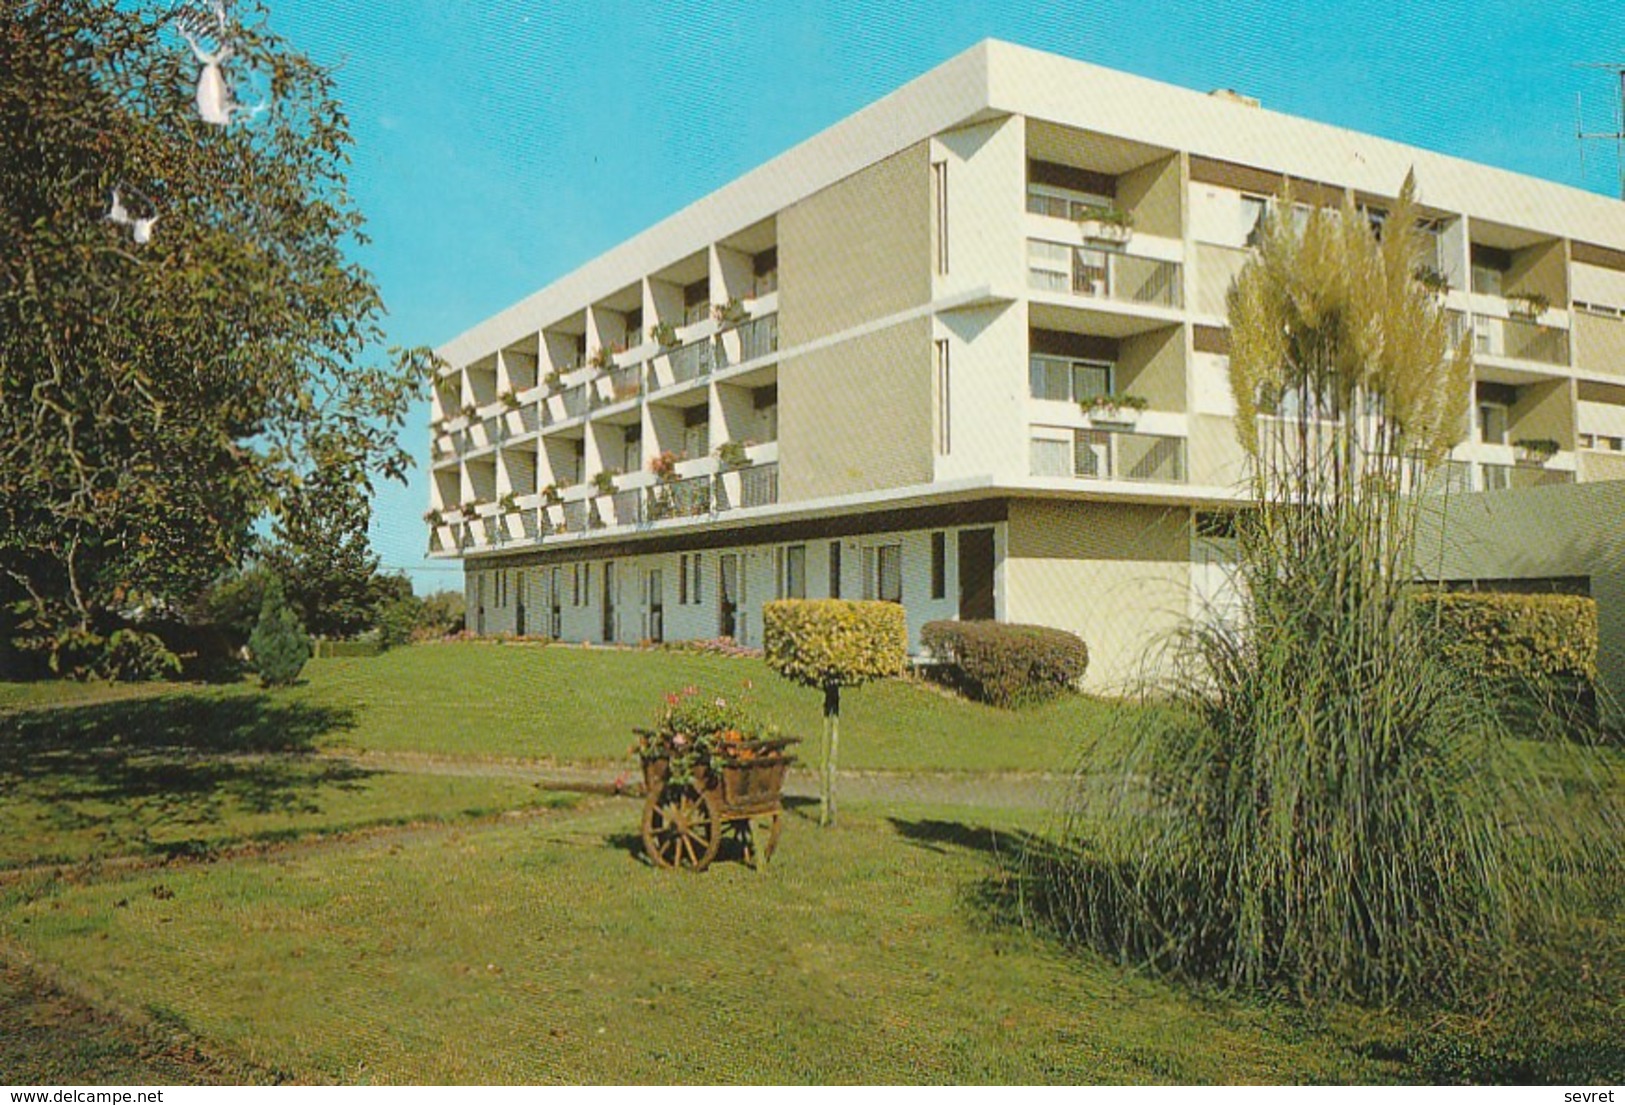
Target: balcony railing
[
  {"x": 691, "y": 361},
  {"x": 1521, "y": 340},
  {"x": 759, "y": 485},
  {"x": 1111, "y": 455},
  {"x": 1103, "y": 274},
  {"x": 759, "y": 337},
  {"x": 679, "y": 498},
  {"x": 625, "y": 383},
  {"x": 576, "y": 402},
  {"x": 580, "y": 516},
  {"x": 628, "y": 507}
]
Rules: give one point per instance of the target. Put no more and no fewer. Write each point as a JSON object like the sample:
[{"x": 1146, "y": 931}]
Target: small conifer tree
[{"x": 279, "y": 645}]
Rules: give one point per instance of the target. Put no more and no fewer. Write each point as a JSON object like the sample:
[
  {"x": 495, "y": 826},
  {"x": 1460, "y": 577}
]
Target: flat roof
[{"x": 994, "y": 79}]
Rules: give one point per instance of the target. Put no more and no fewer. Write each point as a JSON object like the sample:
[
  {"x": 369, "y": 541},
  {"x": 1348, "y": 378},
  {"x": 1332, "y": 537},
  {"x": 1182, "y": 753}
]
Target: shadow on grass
[
  {"x": 1559, "y": 1030},
  {"x": 124, "y": 768}
]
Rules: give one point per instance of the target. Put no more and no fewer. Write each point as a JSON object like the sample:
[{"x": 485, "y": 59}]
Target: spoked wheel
[{"x": 681, "y": 828}]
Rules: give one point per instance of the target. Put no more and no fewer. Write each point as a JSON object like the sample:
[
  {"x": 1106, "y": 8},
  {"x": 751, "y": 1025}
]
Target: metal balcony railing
[
  {"x": 759, "y": 485},
  {"x": 1111, "y": 455},
  {"x": 578, "y": 516},
  {"x": 1104, "y": 274},
  {"x": 691, "y": 361},
  {"x": 576, "y": 402},
  {"x": 1520, "y": 339},
  {"x": 628, "y": 507},
  {"x": 679, "y": 498},
  {"x": 625, "y": 383},
  {"x": 759, "y": 337}
]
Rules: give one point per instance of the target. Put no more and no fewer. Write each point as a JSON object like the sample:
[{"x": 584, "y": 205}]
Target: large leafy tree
[{"x": 158, "y": 399}]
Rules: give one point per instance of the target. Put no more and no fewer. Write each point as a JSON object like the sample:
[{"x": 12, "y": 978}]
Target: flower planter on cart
[{"x": 740, "y": 793}]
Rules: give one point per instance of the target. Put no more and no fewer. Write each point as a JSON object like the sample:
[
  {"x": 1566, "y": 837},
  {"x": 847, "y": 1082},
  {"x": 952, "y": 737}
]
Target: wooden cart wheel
[{"x": 681, "y": 828}]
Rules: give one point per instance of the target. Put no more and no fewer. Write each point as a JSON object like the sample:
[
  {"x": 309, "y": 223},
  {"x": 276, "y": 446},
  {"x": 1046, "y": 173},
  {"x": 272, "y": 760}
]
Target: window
[
  {"x": 1492, "y": 423},
  {"x": 632, "y": 449},
  {"x": 939, "y": 565},
  {"x": 696, "y": 431},
  {"x": 883, "y": 572},
  {"x": 1253, "y": 209},
  {"x": 939, "y": 179},
  {"x": 791, "y": 572},
  {"x": 1063, "y": 203},
  {"x": 1490, "y": 266},
  {"x": 834, "y": 569},
  {"x": 944, "y": 440},
  {"x": 694, "y": 583},
  {"x": 1067, "y": 380},
  {"x": 575, "y": 585}
]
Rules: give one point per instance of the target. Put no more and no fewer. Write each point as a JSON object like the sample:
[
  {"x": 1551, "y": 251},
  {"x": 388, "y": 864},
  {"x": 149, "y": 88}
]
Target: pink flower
[
  {"x": 679, "y": 741},
  {"x": 671, "y": 700},
  {"x": 722, "y": 703},
  {"x": 691, "y": 690}
]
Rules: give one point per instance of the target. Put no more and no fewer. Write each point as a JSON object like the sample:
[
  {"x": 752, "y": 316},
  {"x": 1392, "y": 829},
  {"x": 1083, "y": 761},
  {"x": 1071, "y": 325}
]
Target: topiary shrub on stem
[
  {"x": 830, "y": 644},
  {"x": 279, "y": 645}
]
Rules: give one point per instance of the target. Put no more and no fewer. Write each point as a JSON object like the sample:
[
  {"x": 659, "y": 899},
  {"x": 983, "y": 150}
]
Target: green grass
[
  {"x": 189, "y": 773},
  {"x": 580, "y": 705},
  {"x": 549, "y": 952}
]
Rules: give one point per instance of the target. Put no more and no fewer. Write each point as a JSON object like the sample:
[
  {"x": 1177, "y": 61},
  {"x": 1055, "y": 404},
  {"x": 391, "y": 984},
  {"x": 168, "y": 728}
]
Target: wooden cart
[{"x": 684, "y": 823}]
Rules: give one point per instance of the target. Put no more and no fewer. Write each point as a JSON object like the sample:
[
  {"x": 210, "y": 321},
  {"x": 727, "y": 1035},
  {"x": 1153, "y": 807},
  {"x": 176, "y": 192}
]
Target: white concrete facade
[{"x": 885, "y": 338}]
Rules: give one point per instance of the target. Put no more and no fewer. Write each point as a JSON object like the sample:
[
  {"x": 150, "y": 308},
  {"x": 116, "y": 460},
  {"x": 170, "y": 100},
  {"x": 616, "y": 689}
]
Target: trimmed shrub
[
  {"x": 1007, "y": 665},
  {"x": 830, "y": 644},
  {"x": 1542, "y": 648},
  {"x": 823, "y": 642},
  {"x": 279, "y": 643},
  {"x": 327, "y": 649}
]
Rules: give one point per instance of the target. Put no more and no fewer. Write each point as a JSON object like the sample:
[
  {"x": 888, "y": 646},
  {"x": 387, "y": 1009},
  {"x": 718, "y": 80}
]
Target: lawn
[
  {"x": 572, "y": 704},
  {"x": 548, "y": 951},
  {"x": 580, "y": 704},
  {"x": 222, "y": 883}
]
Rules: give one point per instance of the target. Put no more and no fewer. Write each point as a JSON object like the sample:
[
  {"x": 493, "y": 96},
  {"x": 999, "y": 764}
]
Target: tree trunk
[{"x": 832, "y": 740}]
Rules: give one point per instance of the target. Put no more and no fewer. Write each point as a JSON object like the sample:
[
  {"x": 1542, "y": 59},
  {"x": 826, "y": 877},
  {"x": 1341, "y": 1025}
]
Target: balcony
[
  {"x": 679, "y": 498},
  {"x": 623, "y": 384},
  {"x": 1103, "y": 274},
  {"x": 755, "y": 339},
  {"x": 581, "y": 515},
  {"x": 1520, "y": 340},
  {"x": 688, "y": 362},
  {"x": 1098, "y": 454},
  {"x": 751, "y": 486}
]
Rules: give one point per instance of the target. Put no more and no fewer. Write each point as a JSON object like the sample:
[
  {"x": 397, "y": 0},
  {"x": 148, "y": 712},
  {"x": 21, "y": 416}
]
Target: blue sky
[{"x": 502, "y": 143}]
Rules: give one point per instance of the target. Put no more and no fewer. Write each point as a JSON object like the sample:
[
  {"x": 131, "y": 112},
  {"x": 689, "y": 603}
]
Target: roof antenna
[{"x": 1617, "y": 135}]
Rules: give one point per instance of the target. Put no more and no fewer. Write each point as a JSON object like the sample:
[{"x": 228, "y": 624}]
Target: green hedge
[
  {"x": 820, "y": 642},
  {"x": 1004, "y": 664},
  {"x": 1539, "y": 646},
  {"x": 363, "y": 646}
]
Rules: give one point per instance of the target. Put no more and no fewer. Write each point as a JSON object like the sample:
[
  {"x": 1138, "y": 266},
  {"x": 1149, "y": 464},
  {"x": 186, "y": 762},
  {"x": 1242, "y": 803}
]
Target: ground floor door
[
  {"x": 975, "y": 575},
  {"x": 609, "y": 601},
  {"x": 728, "y": 596},
  {"x": 656, "y": 628}
]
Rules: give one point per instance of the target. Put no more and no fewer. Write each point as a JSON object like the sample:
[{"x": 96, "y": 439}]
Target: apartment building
[{"x": 885, "y": 364}]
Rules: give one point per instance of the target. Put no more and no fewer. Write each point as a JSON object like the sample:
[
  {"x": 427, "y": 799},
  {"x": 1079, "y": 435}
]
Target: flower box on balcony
[
  {"x": 1114, "y": 410},
  {"x": 1105, "y": 223},
  {"x": 1095, "y": 230},
  {"x": 1535, "y": 452},
  {"x": 1528, "y": 305}
]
